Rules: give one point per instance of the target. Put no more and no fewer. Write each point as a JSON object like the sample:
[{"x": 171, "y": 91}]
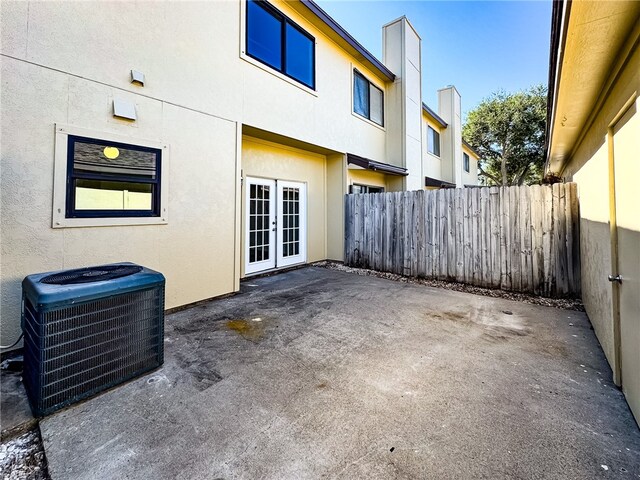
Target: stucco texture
[{"x": 589, "y": 168}]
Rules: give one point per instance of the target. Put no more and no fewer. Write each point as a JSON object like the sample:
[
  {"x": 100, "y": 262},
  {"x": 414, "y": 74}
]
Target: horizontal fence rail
[{"x": 522, "y": 239}]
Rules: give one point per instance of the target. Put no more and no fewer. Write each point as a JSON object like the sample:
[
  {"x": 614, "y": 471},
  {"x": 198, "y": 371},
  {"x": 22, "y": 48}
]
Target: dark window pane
[
  {"x": 299, "y": 51},
  {"x": 375, "y": 104},
  {"x": 360, "y": 95},
  {"x": 465, "y": 158},
  {"x": 433, "y": 141},
  {"x": 108, "y": 160},
  {"x": 264, "y": 35}
]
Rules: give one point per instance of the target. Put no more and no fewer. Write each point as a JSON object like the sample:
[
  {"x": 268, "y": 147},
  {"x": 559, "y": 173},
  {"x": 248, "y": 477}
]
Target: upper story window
[
  {"x": 110, "y": 179},
  {"x": 276, "y": 41},
  {"x": 433, "y": 141},
  {"x": 368, "y": 100},
  {"x": 465, "y": 161}
]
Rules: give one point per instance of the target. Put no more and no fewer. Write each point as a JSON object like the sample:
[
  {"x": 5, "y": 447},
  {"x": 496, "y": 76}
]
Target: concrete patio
[{"x": 317, "y": 373}]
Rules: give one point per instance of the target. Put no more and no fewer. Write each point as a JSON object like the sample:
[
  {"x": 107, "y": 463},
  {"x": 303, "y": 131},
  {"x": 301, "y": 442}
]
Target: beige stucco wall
[
  {"x": 65, "y": 62},
  {"x": 268, "y": 160},
  {"x": 336, "y": 190},
  {"x": 367, "y": 177},
  {"x": 203, "y": 154},
  {"x": 588, "y": 167}
]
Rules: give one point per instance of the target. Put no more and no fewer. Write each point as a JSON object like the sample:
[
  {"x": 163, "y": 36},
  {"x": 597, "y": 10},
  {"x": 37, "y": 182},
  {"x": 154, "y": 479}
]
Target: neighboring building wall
[
  {"x": 589, "y": 168},
  {"x": 432, "y": 164},
  {"x": 450, "y": 109},
  {"x": 470, "y": 177}
]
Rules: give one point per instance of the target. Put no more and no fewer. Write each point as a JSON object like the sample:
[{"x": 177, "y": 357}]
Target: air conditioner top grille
[{"x": 91, "y": 274}]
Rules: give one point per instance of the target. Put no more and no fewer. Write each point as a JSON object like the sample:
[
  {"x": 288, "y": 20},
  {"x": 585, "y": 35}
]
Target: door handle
[{"x": 616, "y": 278}]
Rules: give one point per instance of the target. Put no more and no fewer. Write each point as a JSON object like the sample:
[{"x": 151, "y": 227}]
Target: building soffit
[{"x": 595, "y": 33}]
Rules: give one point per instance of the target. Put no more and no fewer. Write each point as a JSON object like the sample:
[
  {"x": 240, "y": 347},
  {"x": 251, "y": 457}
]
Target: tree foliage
[{"x": 507, "y": 130}]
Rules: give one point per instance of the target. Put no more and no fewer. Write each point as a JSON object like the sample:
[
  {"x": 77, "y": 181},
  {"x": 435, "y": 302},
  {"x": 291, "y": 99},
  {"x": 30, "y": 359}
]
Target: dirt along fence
[{"x": 523, "y": 239}]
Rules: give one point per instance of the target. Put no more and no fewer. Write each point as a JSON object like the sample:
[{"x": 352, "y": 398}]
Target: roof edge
[
  {"x": 475, "y": 152},
  {"x": 347, "y": 37},
  {"x": 436, "y": 117},
  {"x": 559, "y": 22}
]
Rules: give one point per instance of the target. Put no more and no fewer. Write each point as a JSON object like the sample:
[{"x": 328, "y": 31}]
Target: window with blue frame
[
  {"x": 109, "y": 179},
  {"x": 276, "y": 41}
]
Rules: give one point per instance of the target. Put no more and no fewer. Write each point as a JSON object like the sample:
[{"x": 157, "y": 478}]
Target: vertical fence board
[
  {"x": 451, "y": 232},
  {"x": 575, "y": 246},
  {"x": 537, "y": 261},
  {"x": 459, "y": 234},
  {"x": 494, "y": 213},
  {"x": 513, "y": 238},
  {"x": 525, "y": 240}
]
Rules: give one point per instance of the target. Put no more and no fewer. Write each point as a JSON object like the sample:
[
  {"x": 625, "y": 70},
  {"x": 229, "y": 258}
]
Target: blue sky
[{"x": 480, "y": 47}]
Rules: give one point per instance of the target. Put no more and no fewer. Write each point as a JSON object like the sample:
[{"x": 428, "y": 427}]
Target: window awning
[
  {"x": 376, "y": 166},
  {"x": 434, "y": 182}
]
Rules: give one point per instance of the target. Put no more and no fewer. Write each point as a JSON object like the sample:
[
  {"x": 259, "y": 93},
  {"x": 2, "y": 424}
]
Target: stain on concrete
[
  {"x": 252, "y": 329},
  {"x": 201, "y": 371},
  {"x": 495, "y": 325}
]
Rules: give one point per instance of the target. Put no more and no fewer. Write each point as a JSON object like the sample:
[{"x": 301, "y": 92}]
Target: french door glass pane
[
  {"x": 259, "y": 226},
  {"x": 290, "y": 221}
]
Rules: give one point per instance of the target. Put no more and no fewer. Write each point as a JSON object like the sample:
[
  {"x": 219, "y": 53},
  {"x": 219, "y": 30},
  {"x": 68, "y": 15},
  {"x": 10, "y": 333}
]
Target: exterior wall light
[{"x": 111, "y": 152}]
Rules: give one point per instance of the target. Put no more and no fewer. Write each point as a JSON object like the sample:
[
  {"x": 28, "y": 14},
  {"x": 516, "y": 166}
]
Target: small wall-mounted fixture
[
  {"x": 137, "y": 78},
  {"x": 124, "y": 109}
]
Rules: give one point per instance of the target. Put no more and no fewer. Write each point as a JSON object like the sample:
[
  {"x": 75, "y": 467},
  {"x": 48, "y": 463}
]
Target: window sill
[
  {"x": 107, "y": 222},
  {"x": 276, "y": 73},
  {"x": 366, "y": 120},
  {"x": 433, "y": 155}
]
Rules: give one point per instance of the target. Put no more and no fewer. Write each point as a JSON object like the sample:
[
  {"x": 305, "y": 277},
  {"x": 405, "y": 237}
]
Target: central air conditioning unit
[{"x": 89, "y": 329}]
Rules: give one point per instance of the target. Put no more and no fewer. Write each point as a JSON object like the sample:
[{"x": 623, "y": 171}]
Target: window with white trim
[
  {"x": 368, "y": 100},
  {"x": 111, "y": 179},
  {"x": 433, "y": 141}
]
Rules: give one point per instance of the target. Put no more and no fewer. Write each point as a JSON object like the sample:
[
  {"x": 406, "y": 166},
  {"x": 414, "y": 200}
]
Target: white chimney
[
  {"x": 401, "y": 53},
  {"x": 450, "y": 109}
]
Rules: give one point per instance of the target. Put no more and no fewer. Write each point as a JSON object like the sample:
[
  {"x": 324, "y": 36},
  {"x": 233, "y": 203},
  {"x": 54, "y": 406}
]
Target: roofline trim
[
  {"x": 347, "y": 37},
  {"x": 475, "y": 152},
  {"x": 559, "y": 23},
  {"x": 436, "y": 117}
]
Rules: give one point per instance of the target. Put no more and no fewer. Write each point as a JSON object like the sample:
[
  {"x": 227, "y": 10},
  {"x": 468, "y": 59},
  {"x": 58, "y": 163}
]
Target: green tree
[{"x": 507, "y": 130}]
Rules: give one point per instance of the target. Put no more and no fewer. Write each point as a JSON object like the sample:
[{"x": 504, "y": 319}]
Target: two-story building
[
  {"x": 448, "y": 161},
  {"x": 206, "y": 140}
]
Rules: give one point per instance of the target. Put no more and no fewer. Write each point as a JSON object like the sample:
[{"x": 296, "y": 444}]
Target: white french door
[
  {"x": 260, "y": 224},
  {"x": 291, "y": 223},
  {"x": 275, "y": 224}
]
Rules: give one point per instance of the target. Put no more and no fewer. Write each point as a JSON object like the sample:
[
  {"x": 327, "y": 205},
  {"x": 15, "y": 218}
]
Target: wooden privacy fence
[{"x": 522, "y": 239}]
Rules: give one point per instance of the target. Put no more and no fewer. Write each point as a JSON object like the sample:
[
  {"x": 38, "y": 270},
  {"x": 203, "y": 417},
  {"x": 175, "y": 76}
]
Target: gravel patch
[
  {"x": 22, "y": 457},
  {"x": 565, "y": 303}
]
